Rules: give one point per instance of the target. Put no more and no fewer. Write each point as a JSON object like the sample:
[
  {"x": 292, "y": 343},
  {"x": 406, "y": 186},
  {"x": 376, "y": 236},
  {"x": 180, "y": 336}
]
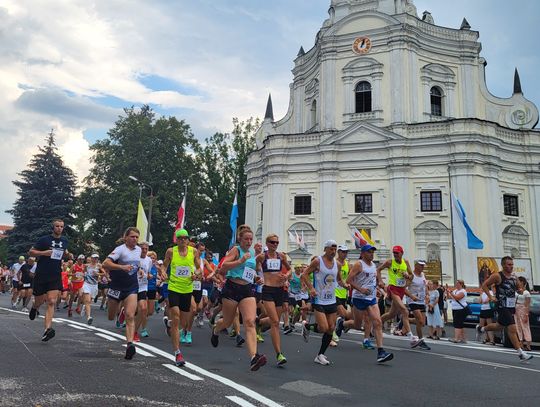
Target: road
[{"x": 84, "y": 366}]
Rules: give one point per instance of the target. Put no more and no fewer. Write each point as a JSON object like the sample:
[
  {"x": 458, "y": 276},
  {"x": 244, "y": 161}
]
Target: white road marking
[
  {"x": 78, "y": 327},
  {"x": 142, "y": 352},
  {"x": 240, "y": 401},
  {"x": 182, "y": 372},
  {"x": 108, "y": 337}
]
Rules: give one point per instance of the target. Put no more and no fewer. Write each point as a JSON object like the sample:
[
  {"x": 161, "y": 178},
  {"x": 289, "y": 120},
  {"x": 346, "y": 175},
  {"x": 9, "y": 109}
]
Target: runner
[
  {"x": 239, "y": 265},
  {"x": 15, "y": 281},
  {"x": 342, "y": 292},
  {"x": 323, "y": 291},
  {"x": 25, "y": 277},
  {"x": 123, "y": 266},
  {"x": 90, "y": 285},
  {"x": 103, "y": 288},
  {"x": 298, "y": 296},
  {"x": 184, "y": 264},
  {"x": 48, "y": 280},
  {"x": 271, "y": 264},
  {"x": 417, "y": 294},
  {"x": 77, "y": 280},
  {"x": 142, "y": 295},
  {"x": 399, "y": 272},
  {"x": 63, "y": 295},
  {"x": 152, "y": 291},
  {"x": 505, "y": 283}
]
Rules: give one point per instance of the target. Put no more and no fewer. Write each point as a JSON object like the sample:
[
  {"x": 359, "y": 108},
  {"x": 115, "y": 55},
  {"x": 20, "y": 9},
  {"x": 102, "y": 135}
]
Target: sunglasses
[
  {"x": 182, "y": 238},
  {"x": 273, "y": 242}
]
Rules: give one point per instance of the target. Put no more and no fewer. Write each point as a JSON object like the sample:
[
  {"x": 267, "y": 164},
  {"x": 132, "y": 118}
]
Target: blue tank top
[
  {"x": 244, "y": 271},
  {"x": 295, "y": 285}
]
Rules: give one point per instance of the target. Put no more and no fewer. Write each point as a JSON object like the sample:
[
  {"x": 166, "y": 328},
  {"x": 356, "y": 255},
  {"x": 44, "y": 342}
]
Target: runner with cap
[
  {"x": 15, "y": 281},
  {"x": 90, "y": 286},
  {"x": 417, "y": 296},
  {"x": 399, "y": 273},
  {"x": 342, "y": 293},
  {"x": 26, "y": 276},
  {"x": 323, "y": 291},
  {"x": 77, "y": 280},
  {"x": 184, "y": 263},
  {"x": 151, "y": 293},
  {"x": 145, "y": 266}
]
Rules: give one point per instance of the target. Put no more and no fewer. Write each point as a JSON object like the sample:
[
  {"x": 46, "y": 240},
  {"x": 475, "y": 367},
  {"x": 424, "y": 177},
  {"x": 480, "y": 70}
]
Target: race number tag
[
  {"x": 328, "y": 295},
  {"x": 248, "y": 275},
  {"x": 298, "y": 297},
  {"x": 511, "y": 302},
  {"x": 197, "y": 285},
  {"x": 114, "y": 294},
  {"x": 401, "y": 282},
  {"x": 57, "y": 254},
  {"x": 273, "y": 264},
  {"x": 27, "y": 285},
  {"x": 205, "y": 293},
  {"x": 183, "y": 271}
]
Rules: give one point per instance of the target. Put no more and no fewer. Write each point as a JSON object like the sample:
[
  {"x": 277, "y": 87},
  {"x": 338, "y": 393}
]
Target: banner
[{"x": 489, "y": 265}]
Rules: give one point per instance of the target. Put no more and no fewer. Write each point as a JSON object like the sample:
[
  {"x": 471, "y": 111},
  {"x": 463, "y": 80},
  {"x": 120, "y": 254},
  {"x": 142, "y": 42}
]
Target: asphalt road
[{"x": 84, "y": 366}]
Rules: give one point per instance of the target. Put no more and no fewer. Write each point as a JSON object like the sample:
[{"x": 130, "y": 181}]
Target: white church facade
[{"x": 388, "y": 114}]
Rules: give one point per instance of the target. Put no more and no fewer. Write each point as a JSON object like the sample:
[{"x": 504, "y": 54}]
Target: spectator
[
  {"x": 434, "y": 317},
  {"x": 458, "y": 298},
  {"x": 487, "y": 313},
  {"x": 523, "y": 302},
  {"x": 443, "y": 307}
]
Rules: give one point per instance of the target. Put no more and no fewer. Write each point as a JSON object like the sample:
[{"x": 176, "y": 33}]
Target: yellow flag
[
  {"x": 366, "y": 236},
  {"x": 142, "y": 222}
]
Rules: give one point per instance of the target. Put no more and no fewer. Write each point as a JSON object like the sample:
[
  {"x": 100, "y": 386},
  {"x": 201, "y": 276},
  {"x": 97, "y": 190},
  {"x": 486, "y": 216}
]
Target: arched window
[
  {"x": 436, "y": 101},
  {"x": 363, "y": 97},
  {"x": 313, "y": 111}
]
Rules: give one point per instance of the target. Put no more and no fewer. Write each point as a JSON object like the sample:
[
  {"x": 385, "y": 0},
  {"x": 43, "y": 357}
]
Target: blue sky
[{"x": 203, "y": 61}]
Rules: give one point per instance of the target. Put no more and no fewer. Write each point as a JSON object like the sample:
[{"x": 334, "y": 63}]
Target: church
[{"x": 389, "y": 115}]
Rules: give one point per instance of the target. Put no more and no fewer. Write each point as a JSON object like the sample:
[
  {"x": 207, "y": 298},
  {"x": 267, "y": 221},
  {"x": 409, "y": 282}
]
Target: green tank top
[
  {"x": 182, "y": 268},
  {"x": 340, "y": 291},
  {"x": 396, "y": 274}
]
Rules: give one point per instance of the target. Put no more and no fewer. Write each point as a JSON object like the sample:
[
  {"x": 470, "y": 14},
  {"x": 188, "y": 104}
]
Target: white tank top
[
  {"x": 366, "y": 279},
  {"x": 418, "y": 289},
  {"x": 324, "y": 282}
]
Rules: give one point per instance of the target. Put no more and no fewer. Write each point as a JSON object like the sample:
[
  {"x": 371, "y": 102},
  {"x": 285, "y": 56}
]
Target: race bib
[
  {"x": 401, "y": 282},
  {"x": 197, "y": 285},
  {"x": 183, "y": 271},
  {"x": 248, "y": 275},
  {"x": 328, "y": 295},
  {"x": 298, "y": 297},
  {"x": 114, "y": 294},
  {"x": 27, "y": 285},
  {"x": 273, "y": 264},
  {"x": 511, "y": 302},
  {"x": 205, "y": 293},
  {"x": 57, "y": 254},
  {"x": 134, "y": 269}
]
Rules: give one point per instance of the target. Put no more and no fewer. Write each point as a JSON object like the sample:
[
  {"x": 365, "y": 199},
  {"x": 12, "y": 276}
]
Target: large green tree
[
  {"x": 46, "y": 191},
  {"x": 156, "y": 151}
]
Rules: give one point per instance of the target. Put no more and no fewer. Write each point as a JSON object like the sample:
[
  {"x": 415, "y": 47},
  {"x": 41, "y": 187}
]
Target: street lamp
[{"x": 141, "y": 186}]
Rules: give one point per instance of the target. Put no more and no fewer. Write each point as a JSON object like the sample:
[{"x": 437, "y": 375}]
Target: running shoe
[
  {"x": 90, "y": 320},
  {"x": 121, "y": 317},
  {"x": 130, "y": 351},
  {"x": 167, "y": 327},
  {"x": 187, "y": 338},
  {"x": 305, "y": 331},
  {"x": 144, "y": 333},
  {"x": 118, "y": 324},
  {"x": 383, "y": 356},
  {"x": 66, "y": 305},
  {"x": 415, "y": 341},
  {"x": 333, "y": 343},
  {"x": 335, "y": 338},
  {"x": 322, "y": 360},
  {"x": 367, "y": 344},
  {"x": 136, "y": 337},
  {"x": 260, "y": 339},
  {"x": 288, "y": 329},
  {"x": 182, "y": 336},
  {"x": 239, "y": 340},
  {"x": 424, "y": 346},
  {"x": 339, "y": 326},
  {"x": 78, "y": 310},
  {"x": 95, "y": 299},
  {"x": 24, "y": 309},
  {"x": 214, "y": 339},
  {"x": 257, "y": 361},
  {"x": 523, "y": 356},
  {"x": 32, "y": 314},
  {"x": 281, "y": 359},
  {"x": 232, "y": 334},
  {"x": 48, "y": 334},
  {"x": 179, "y": 359},
  {"x": 70, "y": 313}
]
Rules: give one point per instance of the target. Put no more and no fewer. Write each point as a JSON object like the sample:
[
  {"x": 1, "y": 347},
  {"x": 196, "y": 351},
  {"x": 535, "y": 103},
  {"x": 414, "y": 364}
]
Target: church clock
[{"x": 361, "y": 45}]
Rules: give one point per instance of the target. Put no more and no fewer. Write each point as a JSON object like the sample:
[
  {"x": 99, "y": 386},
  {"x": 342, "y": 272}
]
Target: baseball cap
[
  {"x": 182, "y": 233},
  {"x": 80, "y": 256},
  {"x": 343, "y": 248},
  {"x": 21, "y": 258},
  {"x": 330, "y": 243},
  {"x": 421, "y": 262},
  {"x": 398, "y": 249},
  {"x": 160, "y": 261},
  {"x": 367, "y": 248},
  {"x": 95, "y": 256}
]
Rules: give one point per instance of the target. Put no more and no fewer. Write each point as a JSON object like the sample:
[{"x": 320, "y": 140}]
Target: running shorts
[
  {"x": 197, "y": 296},
  {"x": 91, "y": 289},
  {"x": 273, "y": 294},
  {"x": 120, "y": 295},
  {"x": 342, "y": 302},
  {"x": 326, "y": 309},
  {"x": 399, "y": 291},
  {"x": 414, "y": 307},
  {"x": 182, "y": 301},
  {"x": 505, "y": 316},
  {"x": 362, "y": 304},
  {"x": 41, "y": 288},
  {"x": 142, "y": 295},
  {"x": 151, "y": 294},
  {"x": 487, "y": 313},
  {"x": 236, "y": 292},
  {"x": 76, "y": 286}
]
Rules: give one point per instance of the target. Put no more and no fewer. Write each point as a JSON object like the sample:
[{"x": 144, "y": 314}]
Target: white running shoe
[
  {"x": 321, "y": 360},
  {"x": 523, "y": 356},
  {"x": 415, "y": 341}
]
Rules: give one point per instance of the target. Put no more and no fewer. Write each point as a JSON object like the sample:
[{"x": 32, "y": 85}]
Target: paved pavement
[{"x": 84, "y": 366}]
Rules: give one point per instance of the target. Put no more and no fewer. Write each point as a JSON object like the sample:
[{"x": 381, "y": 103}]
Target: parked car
[
  {"x": 534, "y": 323},
  {"x": 473, "y": 299}
]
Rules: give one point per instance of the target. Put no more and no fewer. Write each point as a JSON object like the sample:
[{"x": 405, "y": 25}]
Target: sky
[{"x": 72, "y": 66}]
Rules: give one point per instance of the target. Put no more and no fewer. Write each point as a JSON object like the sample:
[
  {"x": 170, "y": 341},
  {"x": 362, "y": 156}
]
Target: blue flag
[
  {"x": 464, "y": 237},
  {"x": 234, "y": 220}
]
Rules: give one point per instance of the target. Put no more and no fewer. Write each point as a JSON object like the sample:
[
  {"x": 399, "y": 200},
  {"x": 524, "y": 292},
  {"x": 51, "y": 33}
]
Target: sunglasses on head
[
  {"x": 273, "y": 242},
  {"x": 334, "y": 246}
]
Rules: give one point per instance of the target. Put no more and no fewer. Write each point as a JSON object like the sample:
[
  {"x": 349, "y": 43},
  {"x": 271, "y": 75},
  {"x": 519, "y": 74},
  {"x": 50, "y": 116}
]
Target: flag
[
  {"x": 142, "y": 224},
  {"x": 367, "y": 238},
  {"x": 297, "y": 239},
  {"x": 302, "y": 241},
  {"x": 181, "y": 216},
  {"x": 464, "y": 237},
  {"x": 233, "y": 220},
  {"x": 359, "y": 239}
]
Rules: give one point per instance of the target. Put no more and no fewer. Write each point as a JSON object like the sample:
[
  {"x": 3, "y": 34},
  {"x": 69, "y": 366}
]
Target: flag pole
[
  {"x": 185, "y": 195},
  {"x": 454, "y": 268}
]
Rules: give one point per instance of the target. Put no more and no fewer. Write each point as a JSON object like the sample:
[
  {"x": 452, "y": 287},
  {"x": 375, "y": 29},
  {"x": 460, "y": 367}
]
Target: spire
[
  {"x": 269, "y": 110},
  {"x": 517, "y": 82},
  {"x": 465, "y": 25},
  {"x": 301, "y": 53}
]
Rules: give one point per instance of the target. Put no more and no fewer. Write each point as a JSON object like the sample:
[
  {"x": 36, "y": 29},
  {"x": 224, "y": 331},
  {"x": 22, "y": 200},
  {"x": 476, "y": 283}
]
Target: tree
[
  {"x": 46, "y": 191},
  {"x": 158, "y": 152}
]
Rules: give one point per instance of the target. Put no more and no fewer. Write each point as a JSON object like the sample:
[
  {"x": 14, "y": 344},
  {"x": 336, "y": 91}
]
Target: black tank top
[
  {"x": 506, "y": 292},
  {"x": 271, "y": 265}
]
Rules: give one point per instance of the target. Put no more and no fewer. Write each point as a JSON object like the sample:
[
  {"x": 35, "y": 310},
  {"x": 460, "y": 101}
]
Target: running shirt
[
  {"x": 366, "y": 279},
  {"x": 295, "y": 285},
  {"x": 49, "y": 267},
  {"x": 182, "y": 268},
  {"x": 15, "y": 271},
  {"x": 324, "y": 282},
  {"x": 341, "y": 292},
  {"x": 271, "y": 265},
  {"x": 396, "y": 274},
  {"x": 65, "y": 279},
  {"x": 78, "y": 273},
  {"x": 418, "y": 289},
  {"x": 26, "y": 275},
  {"x": 121, "y": 280},
  {"x": 91, "y": 276},
  {"x": 245, "y": 271},
  {"x": 506, "y": 291},
  {"x": 146, "y": 265},
  {"x": 152, "y": 280}
]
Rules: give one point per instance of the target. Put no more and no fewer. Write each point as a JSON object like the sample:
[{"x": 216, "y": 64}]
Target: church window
[
  {"x": 436, "y": 101},
  {"x": 363, "y": 203},
  {"x": 431, "y": 201},
  {"x": 363, "y": 97},
  {"x": 302, "y": 205},
  {"x": 313, "y": 113},
  {"x": 511, "y": 205}
]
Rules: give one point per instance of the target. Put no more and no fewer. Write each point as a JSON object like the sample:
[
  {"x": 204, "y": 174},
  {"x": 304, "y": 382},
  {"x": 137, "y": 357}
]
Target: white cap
[
  {"x": 343, "y": 248},
  {"x": 95, "y": 256},
  {"x": 421, "y": 262},
  {"x": 330, "y": 243},
  {"x": 160, "y": 261},
  {"x": 81, "y": 256}
]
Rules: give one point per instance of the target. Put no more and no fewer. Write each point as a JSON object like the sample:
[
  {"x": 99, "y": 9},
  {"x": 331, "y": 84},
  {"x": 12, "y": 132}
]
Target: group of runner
[{"x": 252, "y": 286}]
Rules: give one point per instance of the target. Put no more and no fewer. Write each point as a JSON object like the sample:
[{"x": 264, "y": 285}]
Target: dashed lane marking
[
  {"x": 240, "y": 401},
  {"x": 108, "y": 337},
  {"x": 182, "y": 372}
]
